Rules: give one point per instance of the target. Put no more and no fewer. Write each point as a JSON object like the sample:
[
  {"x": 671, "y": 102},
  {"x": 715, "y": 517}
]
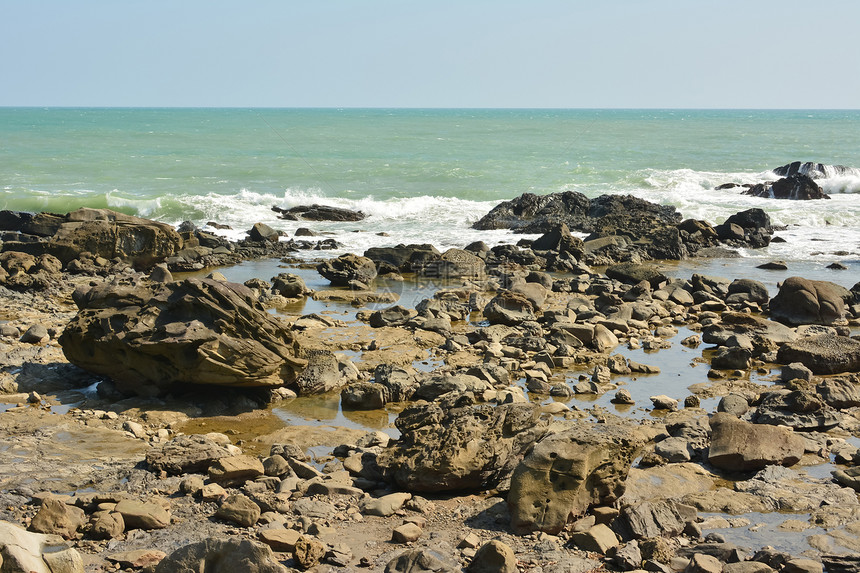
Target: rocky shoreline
[{"x": 169, "y": 457}]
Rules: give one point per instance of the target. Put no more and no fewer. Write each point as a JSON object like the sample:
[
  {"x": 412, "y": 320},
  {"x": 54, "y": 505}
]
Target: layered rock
[
  {"x": 198, "y": 331},
  {"x": 348, "y": 269},
  {"x": 566, "y": 473},
  {"x": 823, "y": 354},
  {"x": 101, "y": 232}
]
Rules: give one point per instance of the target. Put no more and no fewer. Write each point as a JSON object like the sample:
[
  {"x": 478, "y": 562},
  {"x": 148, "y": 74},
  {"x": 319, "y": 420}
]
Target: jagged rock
[
  {"x": 348, "y": 268},
  {"x": 402, "y": 257},
  {"x": 392, "y": 316},
  {"x": 740, "y": 446},
  {"x": 22, "y": 551},
  {"x": 222, "y": 556},
  {"x": 569, "y": 471},
  {"x": 803, "y": 301},
  {"x": 198, "y": 331},
  {"x": 318, "y": 213},
  {"x": 309, "y": 552},
  {"x": 813, "y": 169},
  {"x": 466, "y": 448},
  {"x": 823, "y": 354},
  {"x": 764, "y": 334},
  {"x": 650, "y": 519}
]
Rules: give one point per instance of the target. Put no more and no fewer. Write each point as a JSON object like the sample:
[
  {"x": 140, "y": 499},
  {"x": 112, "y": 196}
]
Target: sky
[{"x": 444, "y": 53}]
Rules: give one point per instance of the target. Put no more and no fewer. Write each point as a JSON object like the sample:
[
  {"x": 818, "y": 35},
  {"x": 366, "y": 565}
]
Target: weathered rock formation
[
  {"x": 566, "y": 473},
  {"x": 739, "y": 446},
  {"x": 464, "y": 448},
  {"x": 101, "y": 232},
  {"x": 198, "y": 331},
  {"x": 804, "y": 301},
  {"x": 797, "y": 187},
  {"x": 318, "y": 213}
]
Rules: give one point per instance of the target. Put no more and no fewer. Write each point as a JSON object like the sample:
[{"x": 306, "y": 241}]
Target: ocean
[{"x": 425, "y": 175}]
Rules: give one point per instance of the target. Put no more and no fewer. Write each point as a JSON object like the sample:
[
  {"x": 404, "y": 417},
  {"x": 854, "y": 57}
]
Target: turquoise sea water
[{"x": 425, "y": 175}]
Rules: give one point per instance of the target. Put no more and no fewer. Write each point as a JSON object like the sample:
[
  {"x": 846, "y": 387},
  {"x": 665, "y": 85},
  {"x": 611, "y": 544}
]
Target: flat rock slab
[
  {"x": 823, "y": 354},
  {"x": 740, "y": 446}
]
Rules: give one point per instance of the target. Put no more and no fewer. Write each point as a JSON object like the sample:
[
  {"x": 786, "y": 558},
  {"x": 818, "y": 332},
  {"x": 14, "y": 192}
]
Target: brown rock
[{"x": 740, "y": 446}]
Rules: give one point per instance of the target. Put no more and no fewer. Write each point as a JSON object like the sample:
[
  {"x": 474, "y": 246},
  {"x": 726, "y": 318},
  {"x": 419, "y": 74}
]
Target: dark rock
[
  {"x": 261, "y": 232},
  {"x": 420, "y": 561},
  {"x": 346, "y": 268},
  {"x": 747, "y": 290},
  {"x": 650, "y": 519},
  {"x": 813, "y": 170},
  {"x": 633, "y": 273},
  {"x": 803, "y": 301},
  {"x": 773, "y": 266},
  {"x": 289, "y": 285},
  {"x": 794, "y": 187},
  {"x": 198, "y": 331},
  {"x": 402, "y": 257},
  {"x": 391, "y": 316},
  {"x": 319, "y": 213},
  {"x": 509, "y": 308}
]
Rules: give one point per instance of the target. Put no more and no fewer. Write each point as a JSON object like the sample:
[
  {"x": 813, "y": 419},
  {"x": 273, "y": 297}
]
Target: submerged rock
[{"x": 196, "y": 331}]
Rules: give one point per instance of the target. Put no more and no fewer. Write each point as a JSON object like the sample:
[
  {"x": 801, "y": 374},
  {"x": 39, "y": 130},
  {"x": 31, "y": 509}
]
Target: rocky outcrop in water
[
  {"x": 318, "y": 213},
  {"x": 148, "y": 338},
  {"x": 798, "y": 187},
  {"x": 814, "y": 170}
]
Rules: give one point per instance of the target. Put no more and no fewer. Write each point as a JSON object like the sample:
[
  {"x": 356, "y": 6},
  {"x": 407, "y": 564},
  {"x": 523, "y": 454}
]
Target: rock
[
  {"x": 509, "y": 308},
  {"x": 36, "y": 334},
  {"x": 773, "y": 266},
  {"x": 650, "y": 519},
  {"x": 733, "y": 404},
  {"x": 322, "y": 374},
  {"x": 701, "y": 563},
  {"x": 143, "y": 515},
  {"x": 107, "y": 525},
  {"x": 599, "y": 538},
  {"x": 419, "y": 561},
  {"x": 493, "y": 557},
  {"x": 392, "y": 316},
  {"x": 290, "y": 286},
  {"x": 765, "y": 335},
  {"x": 222, "y": 556},
  {"x": 747, "y": 290},
  {"x": 196, "y": 331},
  {"x": 468, "y": 448},
  {"x": 138, "y": 559},
  {"x": 58, "y": 518},
  {"x": 663, "y": 402},
  {"x": 406, "y": 533},
  {"x": 281, "y": 540},
  {"x": 348, "y": 268},
  {"x": 633, "y": 273},
  {"x": 604, "y": 340},
  {"x": 185, "y": 454},
  {"x": 319, "y": 213},
  {"x": 803, "y": 301},
  {"x": 103, "y": 233},
  {"x": 801, "y": 565},
  {"x": 813, "y": 169},
  {"x": 741, "y": 447},
  {"x": 839, "y": 393},
  {"x": 731, "y": 358},
  {"x": 754, "y": 224},
  {"x": 261, "y": 232},
  {"x": 385, "y": 506},
  {"x": 795, "y": 371},
  {"x": 796, "y": 187},
  {"x": 235, "y": 470},
  {"x": 25, "y": 552},
  {"x": 823, "y": 354},
  {"x": 402, "y": 257},
  {"x": 239, "y": 509},
  {"x": 566, "y": 472},
  {"x": 309, "y": 552}
]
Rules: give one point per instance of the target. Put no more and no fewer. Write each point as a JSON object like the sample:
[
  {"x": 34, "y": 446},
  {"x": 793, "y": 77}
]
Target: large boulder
[
  {"x": 750, "y": 228},
  {"x": 465, "y": 448},
  {"x": 346, "y": 269},
  {"x": 222, "y": 556},
  {"x": 510, "y": 308},
  {"x": 741, "y": 447},
  {"x": 198, "y": 331},
  {"x": 104, "y": 233},
  {"x": 567, "y": 472},
  {"x": 183, "y": 454},
  {"x": 823, "y": 354},
  {"x": 804, "y": 301},
  {"x": 814, "y": 170},
  {"x": 765, "y": 335},
  {"x": 21, "y": 550},
  {"x": 402, "y": 257}
]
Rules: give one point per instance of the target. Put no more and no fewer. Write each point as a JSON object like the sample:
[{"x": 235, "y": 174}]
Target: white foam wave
[{"x": 840, "y": 184}]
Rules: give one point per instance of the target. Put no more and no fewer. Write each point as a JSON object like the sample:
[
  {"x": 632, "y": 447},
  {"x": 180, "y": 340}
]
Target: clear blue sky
[{"x": 443, "y": 53}]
